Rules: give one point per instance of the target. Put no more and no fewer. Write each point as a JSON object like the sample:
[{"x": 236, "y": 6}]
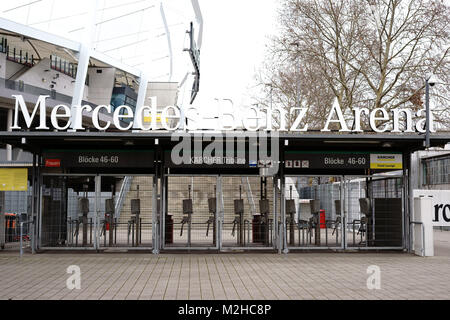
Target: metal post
[
  {"x": 84, "y": 220},
  {"x": 427, "y": 111},
  {"x": 140, "y": 231},
  {"x": 33, "y": 202},
  {"x": 219, "y": 212},
  {"x": 115, "y": 230},
  {"x": 39, "y": 198},
  {"x": 283, "y": 215},
  {"x": 155, "y": 233},
  {"x": 97, "y": 210},
  {"x": 343, "y": 189},
  {"x": 275, "y": 213},
  {"x": 21, "y": 236},
  {"x": 132, "y": 233},
  {"x": 162, "y": 201}
]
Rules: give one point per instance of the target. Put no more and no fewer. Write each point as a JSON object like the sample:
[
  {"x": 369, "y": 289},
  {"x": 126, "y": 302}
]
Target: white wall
[
  {"x": 8, "y": 68},
  {"x": 166, "y": 92},
  {"x": 166, "y": 95},
  {"x": 101, "y": 85},
  {"x": 41, "y": 75}
]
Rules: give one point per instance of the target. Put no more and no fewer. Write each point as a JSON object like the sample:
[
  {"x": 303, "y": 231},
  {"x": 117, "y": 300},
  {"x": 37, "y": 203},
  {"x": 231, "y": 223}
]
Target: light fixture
[
  {"x": 91, "y": 140},
  {"x": 430, "y": 82},
  {"x": 351, "y": 142}
]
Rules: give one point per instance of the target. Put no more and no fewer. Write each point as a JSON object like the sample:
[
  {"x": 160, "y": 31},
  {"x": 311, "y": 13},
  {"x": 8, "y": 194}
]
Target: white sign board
[{"x": 440, "y": 205}]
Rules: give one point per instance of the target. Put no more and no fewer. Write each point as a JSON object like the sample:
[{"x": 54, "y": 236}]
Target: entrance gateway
[{"x": 110, "y": 190}]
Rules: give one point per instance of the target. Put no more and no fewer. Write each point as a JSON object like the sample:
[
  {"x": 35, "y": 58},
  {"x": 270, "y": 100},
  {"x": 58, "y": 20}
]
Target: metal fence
[
  {"x": 313, "y": 212},
  {"x": 219, "y": 212},
  {"x": 375, "y": 212},
  {"x": 190, "y": 219},
  {"x": 80, "y": 211},
  {"x": 248, "y": 212}
]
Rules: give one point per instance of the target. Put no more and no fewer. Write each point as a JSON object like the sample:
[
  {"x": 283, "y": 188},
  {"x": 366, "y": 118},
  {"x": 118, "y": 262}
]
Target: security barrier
[
  {"x": 248, "y": 212},
  {"x": 81, "y": 211},
  {"x": 190, "y": 212},
  {"x": 375, "y": 211},
  {"x": 314, "y": 212},
  {"x": 221, "y": 212}
]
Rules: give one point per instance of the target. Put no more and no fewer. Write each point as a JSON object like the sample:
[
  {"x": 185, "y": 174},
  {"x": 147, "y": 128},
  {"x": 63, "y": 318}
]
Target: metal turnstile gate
[
  {"x": 314, "y": 210},
  {"x": 248, "y": 214},
  {"x": 97, "y": 211},
  {"x": 190, "y": 212}
]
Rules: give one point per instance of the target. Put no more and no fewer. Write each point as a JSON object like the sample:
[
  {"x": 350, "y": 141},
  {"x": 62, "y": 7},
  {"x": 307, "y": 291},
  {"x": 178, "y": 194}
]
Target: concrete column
[
  {"x": 78, "y": 91},
  {"x": 9, "y": 122},
  {"x": 142, "y": 92}
]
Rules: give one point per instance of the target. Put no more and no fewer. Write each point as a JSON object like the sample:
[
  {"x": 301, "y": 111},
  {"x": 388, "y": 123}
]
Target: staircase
[
  {"x": 19, "y": 73},
  {"x": 203, "y": 188},
  {"x": 145, "y": 184}
]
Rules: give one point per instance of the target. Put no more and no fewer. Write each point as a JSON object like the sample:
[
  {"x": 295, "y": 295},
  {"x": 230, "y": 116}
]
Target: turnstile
[
  {"x": 238, "y": 222},
  {"x": 134, "y": 225},
  {"x": 83, "y": 206},
  {"x": 212, "y": 207},
  {"x": 187, "y": 218},
  {"x": 109, "y": 221}
]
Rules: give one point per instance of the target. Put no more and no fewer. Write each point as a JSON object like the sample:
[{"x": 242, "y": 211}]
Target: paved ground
[{"x": 227, "y": 276}]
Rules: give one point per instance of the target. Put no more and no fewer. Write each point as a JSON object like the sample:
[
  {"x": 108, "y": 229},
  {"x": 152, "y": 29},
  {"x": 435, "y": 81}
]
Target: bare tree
[{"x": 367, "y": 53}]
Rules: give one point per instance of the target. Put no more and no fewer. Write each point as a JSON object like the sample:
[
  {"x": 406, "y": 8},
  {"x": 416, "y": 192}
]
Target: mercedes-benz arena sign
[{"x": 254, "y": 119}]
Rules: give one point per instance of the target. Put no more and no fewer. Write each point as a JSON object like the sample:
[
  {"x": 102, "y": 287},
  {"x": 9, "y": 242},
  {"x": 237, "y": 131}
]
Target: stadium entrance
[{"x": 107, "y": 191}]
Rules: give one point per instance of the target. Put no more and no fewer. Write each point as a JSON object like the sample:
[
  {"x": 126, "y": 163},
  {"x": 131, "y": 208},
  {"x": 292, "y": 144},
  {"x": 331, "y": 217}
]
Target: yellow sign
[
  {"x": 13, "y": 179},
  {"x": 386, "y": 161},
  {"x": 148, "y": 119}
]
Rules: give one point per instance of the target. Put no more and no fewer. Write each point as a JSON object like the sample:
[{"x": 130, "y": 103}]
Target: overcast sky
[{"x": 235, "y": 35}]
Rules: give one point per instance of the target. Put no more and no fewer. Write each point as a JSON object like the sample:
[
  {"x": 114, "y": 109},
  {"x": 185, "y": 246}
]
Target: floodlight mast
[
  {"x": 199, "y": 19},
  {"x": 196, "y": 62},
  {"x": 194, "y": 53}
]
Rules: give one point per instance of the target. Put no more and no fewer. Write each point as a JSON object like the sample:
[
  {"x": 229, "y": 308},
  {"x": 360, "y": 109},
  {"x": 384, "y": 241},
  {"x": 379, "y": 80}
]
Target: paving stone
[{"x": 340, "y": 276}]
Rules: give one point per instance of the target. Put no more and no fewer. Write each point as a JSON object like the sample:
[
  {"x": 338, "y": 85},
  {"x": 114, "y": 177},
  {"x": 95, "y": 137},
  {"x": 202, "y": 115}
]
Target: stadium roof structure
[{"x": 143, "y": 38}]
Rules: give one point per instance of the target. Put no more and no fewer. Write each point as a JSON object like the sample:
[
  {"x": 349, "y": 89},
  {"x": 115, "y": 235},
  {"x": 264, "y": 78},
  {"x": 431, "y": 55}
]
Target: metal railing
[
  {"x": 29, "y": 223},
  {"x": 124, "y": 189}
]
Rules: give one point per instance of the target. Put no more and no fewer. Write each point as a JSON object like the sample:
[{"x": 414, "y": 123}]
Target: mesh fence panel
[
  {"x": 316, "y": 220},
  {"x": 252, "y": 224},
  {"x": 190, "y": 222}
]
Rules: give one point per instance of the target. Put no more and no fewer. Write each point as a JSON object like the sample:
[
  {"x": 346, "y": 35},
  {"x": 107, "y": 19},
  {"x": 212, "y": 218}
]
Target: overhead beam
[
  {"x": 114, "y": 63},
  {"x": 37, "y": 34}
]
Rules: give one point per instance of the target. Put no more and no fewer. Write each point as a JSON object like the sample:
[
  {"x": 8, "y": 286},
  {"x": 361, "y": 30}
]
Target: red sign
[{"x": 52, "y": 163}]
